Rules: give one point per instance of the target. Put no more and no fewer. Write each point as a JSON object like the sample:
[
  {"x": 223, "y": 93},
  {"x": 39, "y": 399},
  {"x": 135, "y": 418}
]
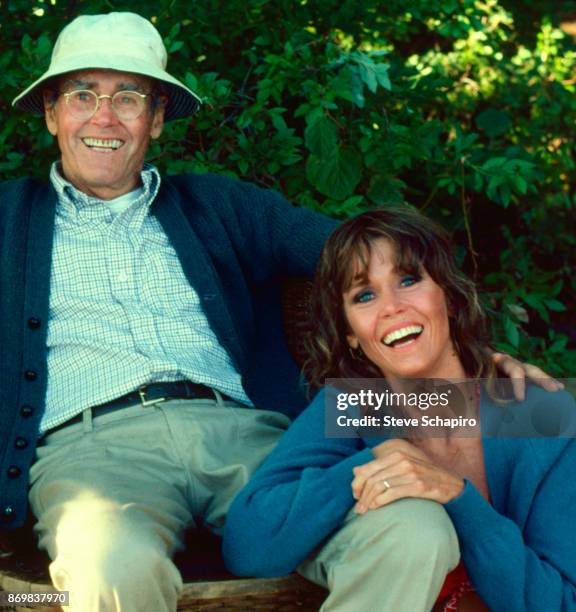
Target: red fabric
[
  {"x": 456, "y": 583},
  {"x": 453, "y": 603},
  {"x": 454, "y": 580}
]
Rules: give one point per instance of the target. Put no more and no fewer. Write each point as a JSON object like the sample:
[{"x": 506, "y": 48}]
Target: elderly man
[{"x": 139, "y": 326}]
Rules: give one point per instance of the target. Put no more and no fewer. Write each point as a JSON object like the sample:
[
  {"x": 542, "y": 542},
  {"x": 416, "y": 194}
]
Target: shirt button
[
  {"x": 122, "y": 277},
  {"x": 20, "y": 443},
  {"x": 14, "y": 472},
  {"x": 30, "y": 375},
  {"x": 8, "y": 514},
  {"x": 26, "y": 411},
  {"x": 34, "y": 323}
]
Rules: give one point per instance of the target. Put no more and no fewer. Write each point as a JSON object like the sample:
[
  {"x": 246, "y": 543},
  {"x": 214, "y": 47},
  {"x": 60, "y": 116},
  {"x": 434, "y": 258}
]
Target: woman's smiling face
[{"x": 400, "y": 320}]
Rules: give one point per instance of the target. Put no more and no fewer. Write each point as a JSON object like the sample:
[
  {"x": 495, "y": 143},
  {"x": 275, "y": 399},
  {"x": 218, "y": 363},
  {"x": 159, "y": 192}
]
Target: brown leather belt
[{"x": 151, "y": 394}]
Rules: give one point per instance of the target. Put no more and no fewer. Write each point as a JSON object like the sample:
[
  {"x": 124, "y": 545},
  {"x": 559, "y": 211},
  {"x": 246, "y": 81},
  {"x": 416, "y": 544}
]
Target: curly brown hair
[{"x": 418, "y": 243}]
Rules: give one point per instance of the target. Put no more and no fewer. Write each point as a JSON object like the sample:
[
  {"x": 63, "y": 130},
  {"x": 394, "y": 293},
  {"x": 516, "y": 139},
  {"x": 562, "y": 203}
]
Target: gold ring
[{"x": 387, "y": 484}]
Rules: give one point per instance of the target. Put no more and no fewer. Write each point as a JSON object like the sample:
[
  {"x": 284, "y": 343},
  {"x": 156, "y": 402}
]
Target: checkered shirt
[{"x": 122, "y": 313}]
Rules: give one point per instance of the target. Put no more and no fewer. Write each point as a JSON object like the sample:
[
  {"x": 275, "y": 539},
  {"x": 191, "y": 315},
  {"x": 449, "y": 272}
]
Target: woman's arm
[
  {"x": 532, "y": 567},
  {"x": 527, "y": 562},
  {"x": 297, "y": 498}
]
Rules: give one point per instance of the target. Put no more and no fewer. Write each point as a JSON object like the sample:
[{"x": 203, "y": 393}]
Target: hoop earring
[{"x": 356, "y": 353}]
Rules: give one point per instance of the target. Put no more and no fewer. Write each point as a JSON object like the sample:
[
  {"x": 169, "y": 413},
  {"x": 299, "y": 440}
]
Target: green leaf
[
  {"x": 559, "y": 344},
  {"x": 262, "y": 40},
  {"x": 493, "y": 122},
  {"x": 321, "y": 137},
  {"x": 175, "y": 46},
  {"x": 191, "y": 81},
  {"x": 368, "y": 75},
  {"x": 536, "y": 302},
  {"x": 533, "y": 300},
  {"x": 279, "y": 123},
  {"x": 555, "y": 305},
  {"x": 354, "y": 86},
  {"x": 556, "y": 287},
  {"x": 520, "y": 185},
  {"x": 43, "y": 46},
  {"x": 174, "y": 30},
  {"x": 382, "y": 77},
  {"x": 511, "y": 332},
  {"x": 337, "y": 176},
  {"x": 350, "y": 205},
  {"x": 341, "y": 85},
  {"x": 386, "y": 190},
  {"x": 243, "y": 165},
  {"x": 494, "y": 162},
  {"x": 519, "y": 312},
  {"x": 27, "y": 43}
]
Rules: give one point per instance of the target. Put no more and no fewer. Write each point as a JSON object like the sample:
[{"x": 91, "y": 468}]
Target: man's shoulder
[
  {"x": 13, "y": 185},
  {"x": 217, "y": 189},
  {"x": 208, "y": 178},
  {"x": 205, "y": 178},
  {"x": 245, "y": 210},
  {"x": 24, "y": 180},
  {"x": 14, "y": 189}
]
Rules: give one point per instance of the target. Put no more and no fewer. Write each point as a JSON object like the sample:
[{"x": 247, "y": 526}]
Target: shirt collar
[{"x": 72, "y": 201}]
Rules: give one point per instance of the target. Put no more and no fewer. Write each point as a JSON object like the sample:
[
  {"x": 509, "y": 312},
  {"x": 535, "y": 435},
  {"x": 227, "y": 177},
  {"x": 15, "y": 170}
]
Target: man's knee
[
  {"x": 132, "y": 563},
  {"x": 134, "y": 579},
  {"x": 109, "y": 553}
]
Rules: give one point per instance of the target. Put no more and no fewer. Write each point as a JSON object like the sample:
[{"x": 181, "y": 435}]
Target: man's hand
[
  {"x": 401, "y": 470},
  {"x": 518, "y": 372}
]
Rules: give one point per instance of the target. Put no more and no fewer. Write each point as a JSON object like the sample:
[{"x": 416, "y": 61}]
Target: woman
[{"x": 390, "y": 302}]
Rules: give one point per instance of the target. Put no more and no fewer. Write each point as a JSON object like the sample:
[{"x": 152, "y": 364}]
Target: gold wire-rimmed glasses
[{"x": 84, "y": 103}]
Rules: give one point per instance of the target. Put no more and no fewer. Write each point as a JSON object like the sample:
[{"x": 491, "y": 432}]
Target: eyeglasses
[{"x": 84, "y": 103}]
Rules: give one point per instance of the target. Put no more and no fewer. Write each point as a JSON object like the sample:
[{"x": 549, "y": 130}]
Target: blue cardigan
[
  {"x": 519, "y": 551},
  {"x": 234, "y": 241}
]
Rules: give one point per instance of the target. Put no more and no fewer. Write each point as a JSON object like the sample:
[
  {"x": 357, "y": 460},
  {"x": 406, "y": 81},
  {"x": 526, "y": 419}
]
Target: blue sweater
[
  {"x": 234, "y": 242},
  {"x": 519, "y": 551}
]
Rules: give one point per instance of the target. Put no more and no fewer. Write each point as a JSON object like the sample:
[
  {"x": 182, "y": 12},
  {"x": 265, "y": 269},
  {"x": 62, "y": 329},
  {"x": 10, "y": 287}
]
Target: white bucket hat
[{"x": 117, "y": 41}]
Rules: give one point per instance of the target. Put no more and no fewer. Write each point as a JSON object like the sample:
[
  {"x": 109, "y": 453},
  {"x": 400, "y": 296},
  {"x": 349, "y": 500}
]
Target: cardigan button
[
  {"x": 14, "y": 471},
  {"x": 30, "y": 375},
  {"x": 26, "y": 411},
  {"x": 34, "y": 323},
  {"x": 20, "y": 443},
  {"x": 8, "y": 514}
]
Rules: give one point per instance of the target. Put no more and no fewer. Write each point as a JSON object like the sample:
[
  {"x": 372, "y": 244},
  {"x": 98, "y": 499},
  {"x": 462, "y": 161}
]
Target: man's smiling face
[{"x": 103, "y": 155}]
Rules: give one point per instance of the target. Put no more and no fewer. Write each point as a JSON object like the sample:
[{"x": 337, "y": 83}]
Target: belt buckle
[{"x": 146, "y": 402}]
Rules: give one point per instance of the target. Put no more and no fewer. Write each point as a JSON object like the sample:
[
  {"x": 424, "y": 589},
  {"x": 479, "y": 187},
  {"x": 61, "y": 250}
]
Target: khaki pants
[
  {"x": 393, "y": 559},
  {"x": 114, "y": 495}
]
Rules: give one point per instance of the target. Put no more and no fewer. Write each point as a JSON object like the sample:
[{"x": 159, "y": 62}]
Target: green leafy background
[{"x": 465, "y": 109}]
